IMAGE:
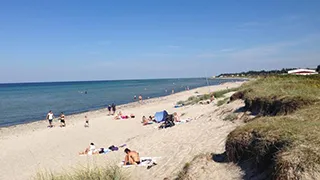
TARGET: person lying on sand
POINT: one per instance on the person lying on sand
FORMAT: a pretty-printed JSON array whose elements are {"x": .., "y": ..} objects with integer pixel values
[
  {"x": 121, "y": 116},
  {"x": 90, "y": 150},
  {"x": 177, "y": 118},
  {"x": 132, "y": 157}
]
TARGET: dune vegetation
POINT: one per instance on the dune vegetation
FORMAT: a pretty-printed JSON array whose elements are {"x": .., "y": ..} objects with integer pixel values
[
  {"x": 87, "y": 173},
  {"x": 284, "y": 140}
]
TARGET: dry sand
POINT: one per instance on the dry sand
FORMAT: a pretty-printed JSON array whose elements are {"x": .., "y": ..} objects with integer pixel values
[{"x": 28, "y": 148}]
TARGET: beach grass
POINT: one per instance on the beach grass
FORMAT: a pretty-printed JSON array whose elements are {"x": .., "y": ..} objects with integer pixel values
[
  {"x": 217, "y": 94},
  {"x": 222, "y": 101},
  {"x": 285, "y": 139},
  {"x": 86, "y": 173}
]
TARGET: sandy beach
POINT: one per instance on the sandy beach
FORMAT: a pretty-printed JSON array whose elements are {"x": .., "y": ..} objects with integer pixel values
[{"x": 29, "y": 148}]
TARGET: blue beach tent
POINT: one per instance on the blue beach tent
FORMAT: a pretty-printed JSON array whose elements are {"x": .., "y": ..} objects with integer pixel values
[{"x": 160, "y": 116}]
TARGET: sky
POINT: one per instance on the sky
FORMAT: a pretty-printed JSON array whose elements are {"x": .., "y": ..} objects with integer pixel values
[{"x": 72, "y": 40}]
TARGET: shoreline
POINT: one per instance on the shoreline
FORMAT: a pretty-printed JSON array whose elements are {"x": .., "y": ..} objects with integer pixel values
[{"x": 98, "y": 109}]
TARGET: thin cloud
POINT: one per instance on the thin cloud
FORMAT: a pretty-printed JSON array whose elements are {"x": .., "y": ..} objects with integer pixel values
[
  {"x": 173, "y": 46},
  {"x": 227, "y": 50}
]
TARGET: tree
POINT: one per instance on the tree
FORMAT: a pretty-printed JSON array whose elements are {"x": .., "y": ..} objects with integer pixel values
[{"x": 318, "y": 69}]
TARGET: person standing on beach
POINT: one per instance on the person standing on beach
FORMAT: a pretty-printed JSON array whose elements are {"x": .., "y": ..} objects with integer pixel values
[
  {"x": 172, "y": 92},
  {"x": 50, "y": 118},
  {"x": 113, "y": 106},
  {"x": 109, "y": 109},
  {"x": 62, "y": 121},
  {"x": 86, "y": 124},
  {"x": 140, "y": 98}
]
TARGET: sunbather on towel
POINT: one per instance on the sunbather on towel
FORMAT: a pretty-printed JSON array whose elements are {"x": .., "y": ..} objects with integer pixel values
[
  {"x": 146, "y": 121},
  {"x": 121, "y": 116},
  {"x": 132, "y": 157},
  {"x": 177, "y": 118},
  {"x": 90, "y": 150}
]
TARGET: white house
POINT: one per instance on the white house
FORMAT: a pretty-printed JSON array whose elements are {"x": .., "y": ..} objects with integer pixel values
[{"x": 302, "y": 72}]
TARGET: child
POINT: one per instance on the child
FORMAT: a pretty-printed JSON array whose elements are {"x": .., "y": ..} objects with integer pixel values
[{"x": 87, "y": 121}]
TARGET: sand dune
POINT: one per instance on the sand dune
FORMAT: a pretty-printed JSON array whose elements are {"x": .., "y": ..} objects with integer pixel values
[{"x": 26, "y": 149}]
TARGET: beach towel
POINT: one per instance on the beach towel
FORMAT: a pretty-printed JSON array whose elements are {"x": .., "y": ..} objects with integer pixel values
[
  {"x": 182, "y": 121},
  {"x": 145, "y": 161}
]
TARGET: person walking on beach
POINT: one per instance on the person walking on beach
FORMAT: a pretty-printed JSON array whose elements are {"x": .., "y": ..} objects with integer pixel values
[
  {"x": 109, "y": 109},
  {"x": 86, "y": 124},
  {"x": 50, "y": 118},
  {"x": 113, "y": 106},
  {"x": 62, "y": 121}
]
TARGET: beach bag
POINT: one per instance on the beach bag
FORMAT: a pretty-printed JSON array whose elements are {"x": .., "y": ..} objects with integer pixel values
[{"x": 113, "y": 148}]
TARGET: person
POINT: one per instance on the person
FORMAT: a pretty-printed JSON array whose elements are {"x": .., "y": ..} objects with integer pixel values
[
  {"x": 146, "y": 121},
  {"x": 134, "y": 97},
  {"x": 62, "y": 120},
  {"x": 140, "y": 98},
  {"x": 176, "y": 117},
  {"x": 131, "y": 158},
  {"x": 50, "y": 117},
  {"x": 86, "y": 124},
  {"x": 212, "y": 98},
  {"x": 121, "y": 116},
  {"x": 113, "y": 106},
  {"x": 90, "y": 150},
  {"x": 172, "y": 92},
  {"x": 109, "y": 109}
]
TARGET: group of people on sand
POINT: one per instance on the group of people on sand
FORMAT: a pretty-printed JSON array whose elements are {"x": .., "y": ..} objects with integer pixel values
[
  {"x": 131, "y": 157},
  {"x": 50, "y": 117},
  {"x": 112, "y": 109},
  {"x": 175, "y": 118}
]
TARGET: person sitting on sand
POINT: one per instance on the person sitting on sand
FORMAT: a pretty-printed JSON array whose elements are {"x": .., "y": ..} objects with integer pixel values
[
  {"x": 212, "y": 98},
  {"x": 62, "y": 121},
  {"x": 132, "y": 157},
  {"x": 177, "y": 118},
  {"x": 90, "y": 150},
  {"x": 86, "y": 123},
  {"x": 146, "y": 121}
]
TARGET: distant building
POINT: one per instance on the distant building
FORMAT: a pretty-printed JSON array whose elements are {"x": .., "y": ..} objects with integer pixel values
[{"x": 302, "y": 72}]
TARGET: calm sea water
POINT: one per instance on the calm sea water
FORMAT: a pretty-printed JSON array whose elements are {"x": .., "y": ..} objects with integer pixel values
[{"x": 27, "y": 102}]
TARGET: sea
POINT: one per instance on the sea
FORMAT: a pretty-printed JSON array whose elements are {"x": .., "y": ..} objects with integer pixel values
[{"x": 27, "y": 102}]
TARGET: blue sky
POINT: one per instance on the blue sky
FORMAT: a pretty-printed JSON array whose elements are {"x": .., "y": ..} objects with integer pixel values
[{"x": 65, "y": 40}]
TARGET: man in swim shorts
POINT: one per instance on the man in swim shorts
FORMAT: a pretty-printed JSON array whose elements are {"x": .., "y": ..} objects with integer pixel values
[
  {"x": 113, "y": 106},
  {"x": 62, "y": 121},
  {"x": 50, "y": 118},
  {"x": 132, "y": 157}
]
